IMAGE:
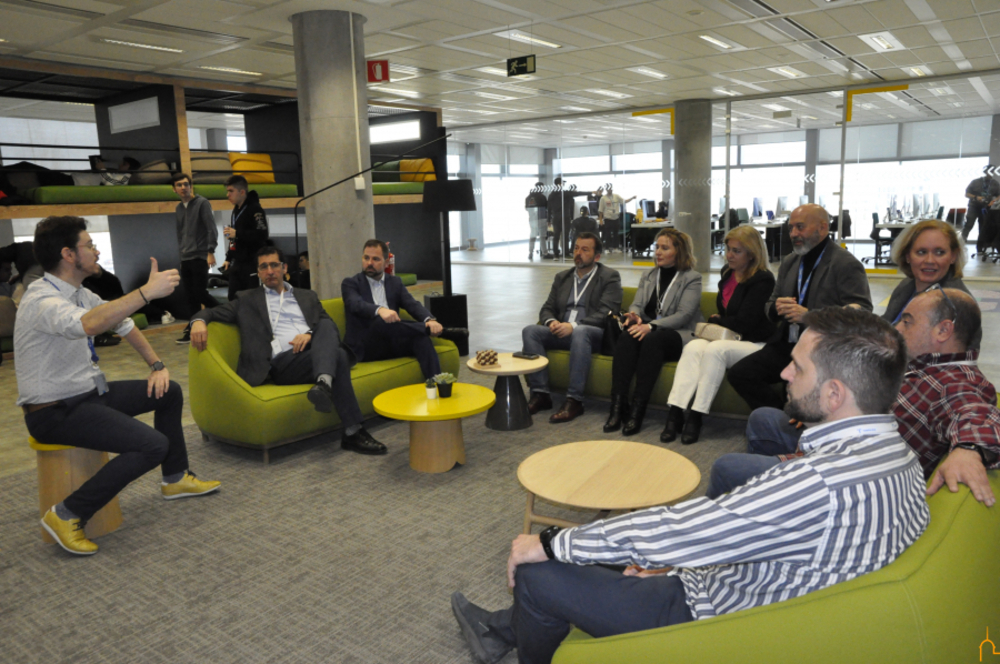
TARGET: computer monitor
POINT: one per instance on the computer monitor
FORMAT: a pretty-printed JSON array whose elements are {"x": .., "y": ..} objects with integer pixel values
[
  {"x": 758, "y": 208},
  {"x": 918, "y": 205},
  {"x": 782, "y": 206},
  {"x": 648, "y": 208},
  {"x": 722, "y": 206},
  {"x": 926, "y": 209},
  {"x": 593, "y": 205},
  {"x": 935, "y": 203},
  {"x": 803, "y": 200}
]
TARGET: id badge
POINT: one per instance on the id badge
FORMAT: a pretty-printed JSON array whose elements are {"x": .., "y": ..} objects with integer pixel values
[
  {"x": 276, "y": 347},
  {"x": 101, "y": 382},
  {"x": 572, "y": 316},
  {"x": 793, "y": 332}
]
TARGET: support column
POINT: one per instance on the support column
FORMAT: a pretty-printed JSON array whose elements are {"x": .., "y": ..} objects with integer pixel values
[
  {"x": 472, "y": 221},
  {"x": 667, "y": 174},
  {"x": 812, "y": 156},
  {"x": 693, "y": 193},
  {"x": 994, "y": 141},
  {"x": 333, "y": 120},
  {"x": 217, "y": 139}
]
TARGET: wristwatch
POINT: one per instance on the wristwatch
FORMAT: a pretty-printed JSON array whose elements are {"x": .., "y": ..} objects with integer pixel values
[
  {"x": 545, "y": 537},
  {"x": 989, "y": 457},
  {"x": 157, "y": 366}
]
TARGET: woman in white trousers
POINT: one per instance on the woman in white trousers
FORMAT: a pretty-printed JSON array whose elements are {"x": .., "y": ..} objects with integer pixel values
[{"x": 745, "y": 285}]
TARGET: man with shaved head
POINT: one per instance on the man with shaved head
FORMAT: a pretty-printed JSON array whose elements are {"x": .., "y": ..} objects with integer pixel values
[
  {"x": 945, "y": 410},
  {"x": 817, "y": 274}
]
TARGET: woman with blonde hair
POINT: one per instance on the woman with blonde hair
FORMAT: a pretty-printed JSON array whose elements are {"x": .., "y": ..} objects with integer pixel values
[
  {"x": 929, "y": 253},
  {"x": 744, "y": 288},
  {"x": 660, "y": 322}
]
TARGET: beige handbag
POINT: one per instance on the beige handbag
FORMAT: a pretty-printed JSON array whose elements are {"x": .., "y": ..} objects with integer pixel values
[{"x": 713, "y": 332}]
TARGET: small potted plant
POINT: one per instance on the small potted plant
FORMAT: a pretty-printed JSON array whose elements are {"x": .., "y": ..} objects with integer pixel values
[
  {"x": 445, "y": 381},
  {"x": 431, "y": 389}
]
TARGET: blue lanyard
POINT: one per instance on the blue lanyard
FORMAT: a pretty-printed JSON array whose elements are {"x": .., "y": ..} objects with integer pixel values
[
  {"x": 233, "y": 217},
  {"x": 803, "y": 291},
  {"x": 90, "y": 340}
]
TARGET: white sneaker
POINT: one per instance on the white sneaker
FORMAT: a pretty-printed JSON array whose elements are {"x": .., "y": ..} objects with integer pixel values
[{"x": 167, "y": 319}]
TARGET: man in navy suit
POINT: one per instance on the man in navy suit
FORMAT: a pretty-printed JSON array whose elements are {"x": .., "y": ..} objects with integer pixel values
[{"x": 372, "y": 300}]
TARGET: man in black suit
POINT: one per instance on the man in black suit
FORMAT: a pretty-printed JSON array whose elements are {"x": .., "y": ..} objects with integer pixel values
[
  {"x": 286, "y": 334},
  {"x": 375, "y": 331}
]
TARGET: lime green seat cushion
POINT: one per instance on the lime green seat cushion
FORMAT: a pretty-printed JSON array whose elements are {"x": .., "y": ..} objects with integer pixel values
[
  {"x": 140, "y": 321},
  {"x": 727, "y": 401},
  {"x": 933, "y": 604},
  {"x": 217, "y": 192},
  {"x": 397, "y": 188},
  {"x": 144, "y": 193},
  {"x": 226, "y": 407},
  {"x": 408, "y": 278}
]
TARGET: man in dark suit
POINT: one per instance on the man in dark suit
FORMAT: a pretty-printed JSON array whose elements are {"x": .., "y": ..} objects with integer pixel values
[
  {"x": 572, "y": 319},
  {"x": 817, "y": 274},
  {"x": 286, "y": 334},
  {"x": 372, "y": 300}
]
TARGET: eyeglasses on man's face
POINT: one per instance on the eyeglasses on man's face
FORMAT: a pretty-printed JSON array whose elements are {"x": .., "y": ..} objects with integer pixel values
[
  {"x": 90, "y": 245},
  {"x": 263, "y": 267}
]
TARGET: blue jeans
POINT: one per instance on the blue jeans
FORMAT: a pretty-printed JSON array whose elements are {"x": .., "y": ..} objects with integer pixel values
[
  {"x": 768, "y": 434},
  {"x": 549, "y": 597},
  {"x": 585, "y": 340}
]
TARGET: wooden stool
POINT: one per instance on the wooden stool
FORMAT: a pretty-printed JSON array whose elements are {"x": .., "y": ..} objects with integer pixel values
[{"x": 61, "y": 471}]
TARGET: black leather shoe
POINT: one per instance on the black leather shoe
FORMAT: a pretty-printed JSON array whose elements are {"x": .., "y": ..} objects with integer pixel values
[
  {"x": 454, "y": 333},
  {"x": 634, "y": 422},
  {"x": 321, "y": 397},
  {"x": 619, "y": 406},
  {"x": 363, "y": 443},
  {"x": 486, "y": 645},
  {"x": 675, "y": 421},
  {"x": 692, "y": 428},
  {"x": 539, "y": 401}
]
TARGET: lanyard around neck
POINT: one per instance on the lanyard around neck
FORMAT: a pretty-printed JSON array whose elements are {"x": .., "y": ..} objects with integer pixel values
[
  {"x": 803, "y": 291},
  {"x": 576, "y": 283},
  {"x": 659, "y": 299},
  {"x": 281, "y": 304}
]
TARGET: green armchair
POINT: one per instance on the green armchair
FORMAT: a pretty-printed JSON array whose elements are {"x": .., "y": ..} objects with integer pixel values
[
  {"x": 227, "y": 409},
  {"x": 933, "y": 604},
  {"x": 727, "y": 401}
]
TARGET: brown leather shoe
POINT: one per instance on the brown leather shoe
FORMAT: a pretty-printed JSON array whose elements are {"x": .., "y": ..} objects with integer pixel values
[
  {"x": 539, "y": 401},
  {"x": 569, "y": 411}
]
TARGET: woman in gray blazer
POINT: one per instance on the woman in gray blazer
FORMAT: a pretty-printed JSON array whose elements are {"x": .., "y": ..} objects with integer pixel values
[{"x": 661, "y": 320}]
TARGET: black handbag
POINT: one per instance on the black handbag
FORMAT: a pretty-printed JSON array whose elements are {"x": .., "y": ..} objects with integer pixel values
[{"x": 612, "y": 330}]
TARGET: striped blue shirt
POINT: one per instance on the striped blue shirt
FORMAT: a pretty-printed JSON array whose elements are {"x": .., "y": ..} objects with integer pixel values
[{"x": 849, "y": 506}]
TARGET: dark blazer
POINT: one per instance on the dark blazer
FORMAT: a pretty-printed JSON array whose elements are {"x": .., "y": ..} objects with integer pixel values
[
  {"x": 249, "y": 312},
  {"x": 360, "y": 307},
  {"x": 745, "y": 313},
  {"x": 603, "y": 295},
  {"x": 838, "y": 280},
  {"x": 903, "y": 293}
]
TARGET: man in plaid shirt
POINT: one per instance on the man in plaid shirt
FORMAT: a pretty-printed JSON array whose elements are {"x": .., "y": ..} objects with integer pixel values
[{"x": 945, "y": 408}]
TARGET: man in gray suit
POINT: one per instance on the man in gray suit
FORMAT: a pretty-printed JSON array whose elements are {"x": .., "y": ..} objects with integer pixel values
[
  {"x": 286, "y": 334},
  {"x": 572, "y": 319},
  {"x": 817, "y": 274}
]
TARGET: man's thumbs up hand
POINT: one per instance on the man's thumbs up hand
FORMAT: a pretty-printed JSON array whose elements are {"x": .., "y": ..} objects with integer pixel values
[{"x": 160, "y": 284}]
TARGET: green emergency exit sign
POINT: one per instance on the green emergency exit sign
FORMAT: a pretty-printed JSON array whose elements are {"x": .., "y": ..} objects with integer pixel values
[{"x": 520, "y": 66}]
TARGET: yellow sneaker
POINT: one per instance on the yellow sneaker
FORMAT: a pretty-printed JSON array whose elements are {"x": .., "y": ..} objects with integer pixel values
[
  {"x": 68, "y": 534},
  {"x": 187, "y": 487}
]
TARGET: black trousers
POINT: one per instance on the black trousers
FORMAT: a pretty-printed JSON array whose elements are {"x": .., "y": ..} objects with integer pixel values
[
  {"x": 323, "y": 355},
  {"x": 644, "y": 360},
  {"x": 609, "y": 233},
  {"x": 753, "y": 376},
  {"x": 974, "y": 211},
  {"x": 407, "y": 338},
  {"x": 241, "y": 277},
  {"x": 107, "y": 423},
  {"x": 194, "y": 275}
]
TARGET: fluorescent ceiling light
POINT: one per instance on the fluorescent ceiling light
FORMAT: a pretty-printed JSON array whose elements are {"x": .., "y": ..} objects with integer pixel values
[
  {"x": 775, "y": 107},
  {"x": 809, "y": 117},
  {"x": 566, "y": 121},
  {"x": 496, "y": 71},
  {"x": 73, "y": 103},
  {"x": 516, "y": 88},
  {"x": 957, "y": 104},
  {"x": 918, "y": 71},
  {"x": 490, "y": 95},
  {"x": 524, "y": 37},
  {"x": 723, "y": 91},
  {"x": 646, "y": 71},
  {"x": 716, "y": 42},
  {"x": 868, "y": 107},
  {"x": 230, "y": 70},
  {"x": 609, "y": 93},
  {"x": 941, "y": 92},
  {"x": 642, "y": 119},
  {"x": 836, "y": 93},
  {"x": 790, "y": 72},
  {"x": 397, "y": 91},
  {"x": 579, "y": 109},
  {"x": 476, "y": 111},
  {"x": 148, "y": 47},
  {"x": 882, "y": 41}
]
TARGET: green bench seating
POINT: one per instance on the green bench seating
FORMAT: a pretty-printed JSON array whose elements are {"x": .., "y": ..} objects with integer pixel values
[
  {"x": 227, "y": 409},
  {"x": 933, "y": 604},
  {"x": 151, "y": 193},
  {"x": 727, "y": 401}
]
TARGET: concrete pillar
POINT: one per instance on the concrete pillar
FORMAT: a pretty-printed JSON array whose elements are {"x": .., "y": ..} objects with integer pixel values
[
  {"x": 667, "y": 174},
  {"x": 472, "y": 220},
  {"x": 333, "y": 120},
  {"x": 217, "y": 139},
  {"x": 693, "y": 193},
  {"x": 994, "y": 141},
  {"x": 812, "y": 156}
]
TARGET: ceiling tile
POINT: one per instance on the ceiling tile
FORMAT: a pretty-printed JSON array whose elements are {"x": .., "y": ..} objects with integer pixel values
[{"x": 891, "y": 14}]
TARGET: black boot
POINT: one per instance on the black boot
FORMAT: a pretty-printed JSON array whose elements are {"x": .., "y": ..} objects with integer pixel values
[
  {"x": 675, "y": 420},
  {"x": 634, "y": 421},
  {"x": 619, "y": 406},
  {"x": 692, "y": 428}
]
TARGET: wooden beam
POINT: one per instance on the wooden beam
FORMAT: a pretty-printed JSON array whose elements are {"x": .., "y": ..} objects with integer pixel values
[{"x": 182, "y": 130}]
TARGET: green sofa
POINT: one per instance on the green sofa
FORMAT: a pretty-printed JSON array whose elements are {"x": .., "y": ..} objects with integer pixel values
[
  {"x": 144, "y": 193},
  {"x": 933, "y": 604},
  {"x": 727, "y": 401},
  {"x": 228, "y": 410}
]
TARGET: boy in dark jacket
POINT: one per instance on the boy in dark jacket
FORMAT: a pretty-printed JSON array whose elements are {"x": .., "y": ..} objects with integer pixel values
[{"x": 247, "y": 233}]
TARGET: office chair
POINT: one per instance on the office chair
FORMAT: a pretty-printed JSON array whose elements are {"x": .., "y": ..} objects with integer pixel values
[
  {"x": 883, "y": 244},
  {"x": 743, "y": 215},
  {"x": 940, "y": 213}
]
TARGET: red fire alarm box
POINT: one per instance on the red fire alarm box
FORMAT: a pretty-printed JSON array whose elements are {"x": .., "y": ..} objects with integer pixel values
[{"x": 378, "y": 71}]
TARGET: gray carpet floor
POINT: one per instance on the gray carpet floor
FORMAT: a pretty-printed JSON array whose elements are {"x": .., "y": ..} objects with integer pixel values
[{"x": 321, "y": 556}]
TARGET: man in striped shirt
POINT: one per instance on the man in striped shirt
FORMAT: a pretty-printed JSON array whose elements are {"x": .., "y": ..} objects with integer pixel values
[{"x": 849, "y": 506}]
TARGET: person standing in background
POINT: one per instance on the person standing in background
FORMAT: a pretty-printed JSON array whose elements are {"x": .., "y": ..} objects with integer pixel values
[
  {"x": 197, "y": 238},
  {"x": 609, "y": 216},
  {"x": 538, "y": 221},
  {"x": 247, "y": 233}
]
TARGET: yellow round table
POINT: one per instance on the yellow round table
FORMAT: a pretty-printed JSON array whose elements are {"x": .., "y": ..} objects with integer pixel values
[
  {"x": 605, "y": 475},
  {"x": 436, "y": 442}
]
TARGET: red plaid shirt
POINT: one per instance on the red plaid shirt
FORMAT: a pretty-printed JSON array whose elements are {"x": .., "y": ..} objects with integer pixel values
[{"x": 944, "y": 402}]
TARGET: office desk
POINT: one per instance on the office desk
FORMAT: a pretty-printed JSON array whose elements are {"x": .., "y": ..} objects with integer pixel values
[
  {"x": 772, "y": 238},
  {"x": 642, "y": 235}
]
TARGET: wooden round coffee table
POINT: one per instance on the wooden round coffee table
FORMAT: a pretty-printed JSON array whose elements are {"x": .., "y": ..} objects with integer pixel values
[
  {"x": 436, "y": 442},
  {"x": 510, "y": 412},
  {"x": 605, "y": 475}
]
